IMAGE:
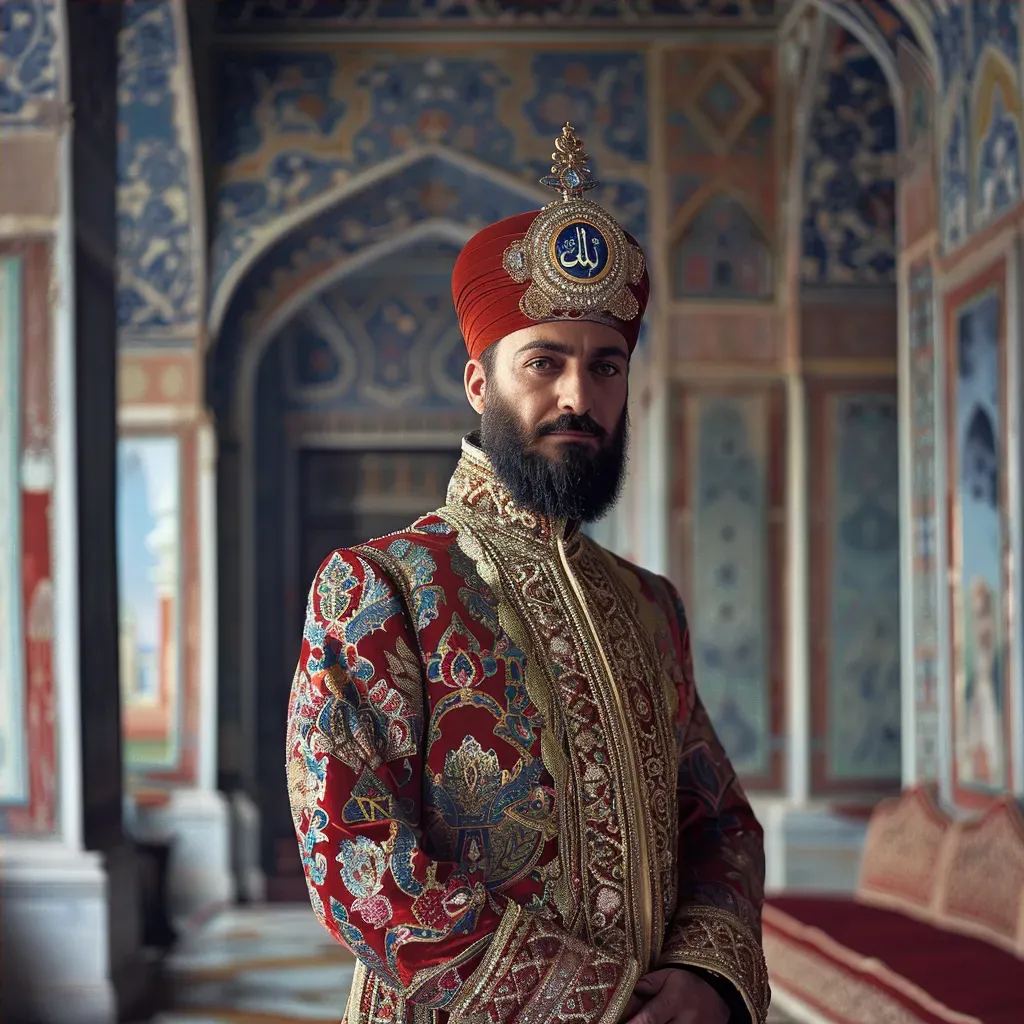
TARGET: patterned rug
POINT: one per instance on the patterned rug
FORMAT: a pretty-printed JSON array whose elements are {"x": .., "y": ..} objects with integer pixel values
[{"x": 263, "y": 965}]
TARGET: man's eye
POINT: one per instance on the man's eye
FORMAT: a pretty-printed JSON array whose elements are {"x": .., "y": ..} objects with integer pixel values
[
  {"x": 539, "y": 364},
  {"x": 607, "y": 369}
]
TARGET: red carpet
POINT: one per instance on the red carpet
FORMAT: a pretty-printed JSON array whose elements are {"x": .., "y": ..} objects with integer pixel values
[{"x": 963, "y": 975}]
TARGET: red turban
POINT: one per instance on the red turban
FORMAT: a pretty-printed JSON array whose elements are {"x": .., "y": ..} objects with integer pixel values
[{"x": 487, "y": 297}]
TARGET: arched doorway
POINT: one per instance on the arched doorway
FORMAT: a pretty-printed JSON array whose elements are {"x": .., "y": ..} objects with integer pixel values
[{"x": 342, "y": 419}]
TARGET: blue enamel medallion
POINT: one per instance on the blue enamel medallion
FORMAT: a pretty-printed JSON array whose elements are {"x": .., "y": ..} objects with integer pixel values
[{"x": 581, "y": 252}]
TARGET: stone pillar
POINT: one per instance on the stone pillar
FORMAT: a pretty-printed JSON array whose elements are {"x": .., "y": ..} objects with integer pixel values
[
  {"x": 52, "y": 890},
  {"x": 168, "y": 508},
  {"x": 170, "y": 722}
]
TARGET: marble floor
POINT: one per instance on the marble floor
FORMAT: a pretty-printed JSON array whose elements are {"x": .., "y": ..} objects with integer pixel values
[{"x": 260, "y": 965}]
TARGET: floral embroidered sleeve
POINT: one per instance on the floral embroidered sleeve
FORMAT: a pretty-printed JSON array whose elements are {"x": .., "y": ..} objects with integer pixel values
[
  {"x": 426, "y": 928},
  {"x": 717, "y": 926}
]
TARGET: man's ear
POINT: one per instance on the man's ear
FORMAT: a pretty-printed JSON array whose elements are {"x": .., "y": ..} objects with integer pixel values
[{"x": 476, "y": 385}]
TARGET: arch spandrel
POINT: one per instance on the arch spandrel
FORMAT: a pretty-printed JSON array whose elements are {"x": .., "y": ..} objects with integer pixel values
[{"x": 436, "y": 195}]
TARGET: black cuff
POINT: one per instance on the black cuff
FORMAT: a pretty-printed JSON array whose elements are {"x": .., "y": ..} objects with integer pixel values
[{"x": 730, "y": 995}]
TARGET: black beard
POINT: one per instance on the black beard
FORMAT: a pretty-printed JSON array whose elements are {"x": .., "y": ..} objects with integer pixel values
[{"x": 580, "y": 485}]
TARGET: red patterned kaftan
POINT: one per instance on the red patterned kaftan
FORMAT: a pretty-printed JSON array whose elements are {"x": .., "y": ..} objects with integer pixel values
[{"x": 509, "y": 800}]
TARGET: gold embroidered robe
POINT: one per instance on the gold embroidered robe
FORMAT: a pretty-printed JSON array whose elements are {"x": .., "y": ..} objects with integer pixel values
[{"x": 509, "y": 800}]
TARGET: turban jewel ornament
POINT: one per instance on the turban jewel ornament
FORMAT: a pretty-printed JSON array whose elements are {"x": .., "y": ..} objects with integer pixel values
[
  {"x": 568, "y": 261},
  {"x": 576, "y": 258}
]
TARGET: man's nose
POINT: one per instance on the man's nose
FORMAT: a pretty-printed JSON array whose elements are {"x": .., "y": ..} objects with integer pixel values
[{"x": 574, "y": 392}]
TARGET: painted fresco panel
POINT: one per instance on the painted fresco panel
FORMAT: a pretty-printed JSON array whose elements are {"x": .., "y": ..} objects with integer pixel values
[
  {"x": 30, "y": 83},
  {"x": 917, "y": 155},
  {"x": 149, "y": 556},
  {"x": 995, "y": 24},
  {"x": 13, "y": 725},
  {"x": 977, "y": 461},
  {"x": 949, "y": 25},
  {"x": 371, "y": 343},
  {"x": 864, "y": 639},
  {"x": 385, "y": 211},
  {"x": 850, "y": 172},
  {"x": 923, "y": 411},
  {"x": 28, "y": 802},
  {"x": 854, "y": 585},
  {"x": 722, "y": 255},
  {"x": 158, "y": 221},
  {"x": 955, "y": 191},
  {"x": 728, "y": 614},
  {"x": 719, "y": 136},
  {"x": 996, "y": 140},
  {"x": 297, "y": 124}
]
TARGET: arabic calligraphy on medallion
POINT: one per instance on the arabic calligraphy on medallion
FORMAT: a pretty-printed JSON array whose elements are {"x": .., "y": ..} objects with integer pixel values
[{"x": 581, "y": 252}]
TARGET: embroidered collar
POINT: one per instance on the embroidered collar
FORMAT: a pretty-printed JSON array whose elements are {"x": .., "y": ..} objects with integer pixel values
[{"x": 475, "y": 488}]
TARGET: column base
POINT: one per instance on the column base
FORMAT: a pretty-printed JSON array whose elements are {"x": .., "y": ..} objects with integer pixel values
[
  {"x": 54, "y": 934},
  {"x": 245, "y": 848},
  {"x": 810, "y": 849},
  {"x": 196, "y": 822}
]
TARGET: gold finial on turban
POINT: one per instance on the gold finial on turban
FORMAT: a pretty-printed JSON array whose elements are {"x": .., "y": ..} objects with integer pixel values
[{"x": 570, "y": 174}]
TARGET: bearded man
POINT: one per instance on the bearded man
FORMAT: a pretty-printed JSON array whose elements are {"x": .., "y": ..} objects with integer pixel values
[{"x": 510, "y": 803}]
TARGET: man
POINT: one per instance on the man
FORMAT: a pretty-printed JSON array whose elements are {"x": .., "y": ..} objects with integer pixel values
[{"x": 510, "y": 803}]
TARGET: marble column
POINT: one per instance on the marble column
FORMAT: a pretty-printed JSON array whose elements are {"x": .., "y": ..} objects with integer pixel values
[{"x": 53, "y": 891}]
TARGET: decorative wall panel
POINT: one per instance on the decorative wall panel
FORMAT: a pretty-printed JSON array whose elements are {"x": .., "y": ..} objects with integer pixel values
[
  {"x": 752, "y": 336},
  {"x": 13, "y": 755},
  {"x": 949, "y": 27},
  {"x": 720, "y": 160},
  {"x": 373, "y": 344},
  {"x": 298, "y": 125},
  {"x": 918, "y": 177},
  {"x": 722, "y": 254},
  {"x": 30, "y": 85},
  {"x": 158, "y": 594},
  {"x": 150, "y": 595},
  {"x": 855, "y": 597},
  {"x": 159, "y": 213},
  {"x": 158, "y": 376},
  {"x": 995, "y": 25},
  {"x": 427, "y": 191},
  {"x": 884, "y": 19},
  {"x": 923, "y": 483},
  {"x": 28, "y": 795},
  {"x": 850, "y": 332},
  {"x": 850, "y": 176},
  {"x": 979, "y": 546},
  {"x": 727, "y": 559},
  {"x": 996, "y": 136},
  {"x": 981, "y": 114},
  {"x": 955, "y": 162},
  {"x": 476, "y": 13}
]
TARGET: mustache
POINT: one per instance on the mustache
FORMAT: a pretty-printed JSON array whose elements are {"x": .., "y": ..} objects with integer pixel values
[{"x": 568, "y": 422}]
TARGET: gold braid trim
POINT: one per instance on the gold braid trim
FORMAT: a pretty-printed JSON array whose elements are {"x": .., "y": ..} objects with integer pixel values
[
  {"x": 536, "y": 973},
  {"x": 501, "y": 947},
  {"x": 718, "y": 941}
]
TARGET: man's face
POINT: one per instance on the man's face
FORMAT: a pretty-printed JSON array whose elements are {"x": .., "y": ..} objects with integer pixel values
[{"x": 553, "y": 416}]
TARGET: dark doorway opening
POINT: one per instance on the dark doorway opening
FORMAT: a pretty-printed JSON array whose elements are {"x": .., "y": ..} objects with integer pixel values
[{"x": 346, "y": 497}]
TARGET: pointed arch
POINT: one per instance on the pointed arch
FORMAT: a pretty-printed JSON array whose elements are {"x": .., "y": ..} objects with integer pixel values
[
  {"x": 721, "y": 250},
  {"x": 995, "y": 75},
  {"x": 867, "y": 32},
  {"x": 427, "y": 192},
  {"x": 995, "y": 149},
  {"x": 238, "y": 256},
  {"x": 848, "y": 163}
]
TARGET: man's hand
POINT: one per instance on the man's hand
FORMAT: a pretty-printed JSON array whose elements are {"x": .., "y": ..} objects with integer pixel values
[{"x": 675, "y": 996}]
